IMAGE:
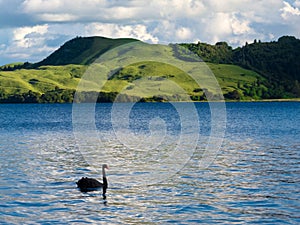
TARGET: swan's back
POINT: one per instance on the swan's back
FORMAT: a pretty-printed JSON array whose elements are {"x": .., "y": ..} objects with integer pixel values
[{"x": 87, "y": 183}]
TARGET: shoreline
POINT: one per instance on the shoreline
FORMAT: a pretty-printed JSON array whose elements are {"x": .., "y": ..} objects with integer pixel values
[
  {"x": 225, "y": 101},
  {"x": 267, "y": 100}
]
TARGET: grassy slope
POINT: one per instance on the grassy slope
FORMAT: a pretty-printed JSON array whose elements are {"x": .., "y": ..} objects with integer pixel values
[
  {"x": 155, "y": 79},
  {"x": 228, "y": 76},
  {"x": 40, "y": 80},
  {"x": 162, "y": 79}
]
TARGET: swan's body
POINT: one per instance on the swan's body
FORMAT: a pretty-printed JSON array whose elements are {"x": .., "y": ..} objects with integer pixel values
[
  {"x": 90, "y": 184},
  {"x": 86, "y": 182}
]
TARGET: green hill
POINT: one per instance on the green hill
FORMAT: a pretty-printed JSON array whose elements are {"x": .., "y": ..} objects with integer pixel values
[{"x": 55, "y": 78}]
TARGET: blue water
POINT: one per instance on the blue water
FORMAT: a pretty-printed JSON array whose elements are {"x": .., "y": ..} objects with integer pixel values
[{"x": 254, "y": 178}]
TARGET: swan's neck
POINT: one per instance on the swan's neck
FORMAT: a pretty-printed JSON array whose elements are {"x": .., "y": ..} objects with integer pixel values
[{"x": 103, "y": 172}]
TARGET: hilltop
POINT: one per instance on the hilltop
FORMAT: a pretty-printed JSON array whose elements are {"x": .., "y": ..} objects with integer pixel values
[
  {"x": 82, "y": 51},
  {"x": 255, "y": 71}
]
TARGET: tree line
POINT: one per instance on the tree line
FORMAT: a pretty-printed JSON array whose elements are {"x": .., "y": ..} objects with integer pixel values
[{"x": 69, "y": 96}]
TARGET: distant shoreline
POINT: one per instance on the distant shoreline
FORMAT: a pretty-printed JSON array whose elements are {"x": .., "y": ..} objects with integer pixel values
[
  {"x": 225, "y": 101},
  {"x": 267, "y": 100}
]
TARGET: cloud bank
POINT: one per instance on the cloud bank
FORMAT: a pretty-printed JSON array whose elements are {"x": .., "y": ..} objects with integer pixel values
[{"x": 31, "y": 29}]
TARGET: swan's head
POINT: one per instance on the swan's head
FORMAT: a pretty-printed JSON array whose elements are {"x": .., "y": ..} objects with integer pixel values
[{"x": 105, "y": 166}]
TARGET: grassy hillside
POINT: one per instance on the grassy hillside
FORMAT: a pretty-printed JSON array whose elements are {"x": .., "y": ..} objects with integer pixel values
[
  {"x": 143, "y": 79},
  {"x": 40, "y": 80}
]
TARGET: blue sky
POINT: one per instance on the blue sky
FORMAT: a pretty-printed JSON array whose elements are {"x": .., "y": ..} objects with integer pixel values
[{"x": 31, "y": 29}]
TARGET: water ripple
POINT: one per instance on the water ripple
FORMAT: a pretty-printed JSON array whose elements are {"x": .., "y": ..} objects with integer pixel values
[{"x": 253, "y": 179}]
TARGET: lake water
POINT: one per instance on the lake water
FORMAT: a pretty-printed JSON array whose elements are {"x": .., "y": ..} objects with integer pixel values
[{"x": 253, "y": 178}]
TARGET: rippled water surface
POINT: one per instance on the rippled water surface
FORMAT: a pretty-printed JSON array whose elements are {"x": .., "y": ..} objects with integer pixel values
[{"x": 254, "y": 178}]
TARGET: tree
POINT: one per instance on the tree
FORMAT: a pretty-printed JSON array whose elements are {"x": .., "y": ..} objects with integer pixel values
[
  {"x": 296, "y": 89},
  {"x": 234, "y": 95}
]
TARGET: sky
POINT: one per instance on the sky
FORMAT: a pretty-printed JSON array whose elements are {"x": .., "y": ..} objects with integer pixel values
[{"x": 32, "y": 29}]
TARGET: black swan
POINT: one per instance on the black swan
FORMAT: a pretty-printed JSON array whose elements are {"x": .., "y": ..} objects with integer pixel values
[{"x": 90, "y": 184}]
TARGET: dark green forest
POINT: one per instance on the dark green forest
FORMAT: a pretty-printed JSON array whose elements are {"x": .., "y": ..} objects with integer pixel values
[{"x": 277, "y": 61}]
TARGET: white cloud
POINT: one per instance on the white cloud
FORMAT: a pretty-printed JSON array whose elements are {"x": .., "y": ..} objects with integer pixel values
[
  {"x": 26, "y": 37},
  {"x": 140, "y": 31},
  {"x": 113, "y": 10},
  {"x": 240, "y": 26},
  {"x": 59, "y": 6},
  {"x": 58, "y": 17},
  {"x": 178, "y": 9},
  {"x": 27, "y": 43},
  {"x": 183, "y": 33},
  {"x": 114, "y": 30},
  {"x": 288, "y": 11},
  {"x": 263, "y": 11},
  {"x": 36, "y": 6},
  {"x": 88, "y": 10},
  {"x": 217, "y": 26},
  {"x": 35, "y": 25}
]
